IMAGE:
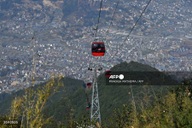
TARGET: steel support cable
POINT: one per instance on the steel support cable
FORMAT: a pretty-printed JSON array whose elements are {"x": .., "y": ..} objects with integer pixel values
[
  {"x": 98, "y": 20},
  {"x": 137, "y": 20},
  {"x": 97, "y": 25},
  {"x": 133, "y": 27},
  {"x": 125, "y": 41},
  {"x": 111, "y": 23},
  {"x": 132, "y": 94},
  {"x": 113, "y": 15},
  {"x": 96, "y": 30},
  {"x": 133, "y": 100}
]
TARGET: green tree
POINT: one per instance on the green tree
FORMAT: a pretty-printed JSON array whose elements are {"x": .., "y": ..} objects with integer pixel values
[{"x": 29, "y": 108}]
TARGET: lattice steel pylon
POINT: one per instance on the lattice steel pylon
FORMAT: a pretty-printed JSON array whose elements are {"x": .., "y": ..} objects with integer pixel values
[{"x": 95, "y": 108}]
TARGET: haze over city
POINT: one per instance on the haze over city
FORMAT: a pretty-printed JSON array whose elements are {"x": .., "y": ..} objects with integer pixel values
[{"x": 54, "y": 37}]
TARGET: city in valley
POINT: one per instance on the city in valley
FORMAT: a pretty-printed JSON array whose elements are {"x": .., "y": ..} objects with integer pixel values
[{"x": 39, "y": 39}]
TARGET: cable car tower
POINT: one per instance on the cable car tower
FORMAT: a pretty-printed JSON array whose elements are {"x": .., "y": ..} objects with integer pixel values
[
  {"x": 95, "y": 108},
  {"x": 98, "y": 50}
]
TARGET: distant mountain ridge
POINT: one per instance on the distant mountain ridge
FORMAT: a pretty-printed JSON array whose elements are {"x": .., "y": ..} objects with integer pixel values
[{"x": 132, "y": 66}]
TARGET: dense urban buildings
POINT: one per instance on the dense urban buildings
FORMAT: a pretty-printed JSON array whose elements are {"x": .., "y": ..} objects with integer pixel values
[{"x": 38, "y": 40}]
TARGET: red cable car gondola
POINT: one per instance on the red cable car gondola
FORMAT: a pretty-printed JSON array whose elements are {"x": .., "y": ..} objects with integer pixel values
[
  {"x": 108, "y": 73},
  {"x": 89, "y": 85},
  {"x": 88, "y": 106},
  {"x": 98, "y": 49}
]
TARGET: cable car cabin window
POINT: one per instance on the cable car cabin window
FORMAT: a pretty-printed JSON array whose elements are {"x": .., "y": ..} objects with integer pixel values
[{"x": 98, "y": 49}]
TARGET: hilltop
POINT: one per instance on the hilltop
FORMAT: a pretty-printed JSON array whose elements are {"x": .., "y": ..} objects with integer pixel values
[{"x": 71, "y": 96}]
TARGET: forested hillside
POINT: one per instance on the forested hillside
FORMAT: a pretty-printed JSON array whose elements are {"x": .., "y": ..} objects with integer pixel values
[{"x": 61, "y": 102}]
